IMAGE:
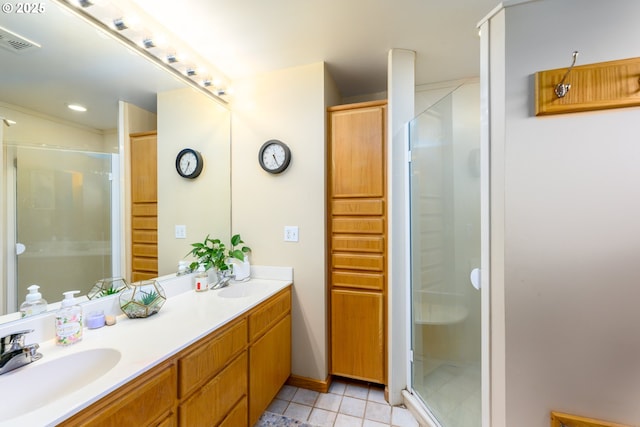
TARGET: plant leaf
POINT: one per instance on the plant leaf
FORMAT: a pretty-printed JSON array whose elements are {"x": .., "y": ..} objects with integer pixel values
[{"x": 237, "y": 254}]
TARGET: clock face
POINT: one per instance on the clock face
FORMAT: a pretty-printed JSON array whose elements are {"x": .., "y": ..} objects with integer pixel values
[
  {"x": 274, "y": 156},
  {"x": 189, "y": 163}
]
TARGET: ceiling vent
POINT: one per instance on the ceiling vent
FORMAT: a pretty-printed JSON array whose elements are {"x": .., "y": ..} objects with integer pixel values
[{"x": 15, "y": 43}]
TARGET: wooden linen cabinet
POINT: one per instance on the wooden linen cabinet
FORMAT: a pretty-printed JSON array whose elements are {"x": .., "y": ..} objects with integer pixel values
[
  {"x": 357, "y": 189},
  {"x": 144, "y": 206}
]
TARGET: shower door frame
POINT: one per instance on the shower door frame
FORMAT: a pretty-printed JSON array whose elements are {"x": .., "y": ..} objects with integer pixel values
[{"x": 485, "y": 259}]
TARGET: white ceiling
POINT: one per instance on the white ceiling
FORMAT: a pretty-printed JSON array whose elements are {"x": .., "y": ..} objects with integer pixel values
[
  {"x": 242, "y": 38},
  {"x": 246, "y": 37}
]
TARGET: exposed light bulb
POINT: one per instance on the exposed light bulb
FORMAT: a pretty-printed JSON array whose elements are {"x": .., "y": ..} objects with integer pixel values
[
  {"x": 148, "y": 43},
  {"x": 77, "y": 107},
  {"x": 119, "y": 24}
]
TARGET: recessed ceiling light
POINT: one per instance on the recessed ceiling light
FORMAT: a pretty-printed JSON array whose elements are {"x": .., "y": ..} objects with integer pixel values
[{"x": 77, "y": 107}]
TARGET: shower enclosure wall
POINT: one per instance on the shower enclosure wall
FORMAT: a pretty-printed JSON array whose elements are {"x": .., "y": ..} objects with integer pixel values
[
  {"x": 445, "y": 250},
  {"x": 60, "y": 208}
]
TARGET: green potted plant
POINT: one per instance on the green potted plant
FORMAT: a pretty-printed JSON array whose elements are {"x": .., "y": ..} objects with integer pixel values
[{"x": 212, "y": 253}]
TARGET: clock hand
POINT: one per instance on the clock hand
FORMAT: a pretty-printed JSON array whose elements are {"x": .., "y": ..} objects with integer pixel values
[{"x": 274, "y": 158}]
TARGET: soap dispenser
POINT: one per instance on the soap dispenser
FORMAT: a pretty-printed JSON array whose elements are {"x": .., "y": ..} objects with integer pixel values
[
  {"x": 69, "y": 320},
  {"x": 34, "y": 303}
]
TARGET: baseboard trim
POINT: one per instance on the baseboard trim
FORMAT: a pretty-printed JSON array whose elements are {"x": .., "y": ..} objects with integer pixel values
[{"x": 310, "y": 383}]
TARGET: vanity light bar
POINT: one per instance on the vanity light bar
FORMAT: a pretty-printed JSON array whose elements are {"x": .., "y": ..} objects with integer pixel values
[{"x": 102, "y": 17}]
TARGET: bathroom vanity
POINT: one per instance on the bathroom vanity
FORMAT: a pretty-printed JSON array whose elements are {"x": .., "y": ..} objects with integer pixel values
[{"x": 213, "y": 358}]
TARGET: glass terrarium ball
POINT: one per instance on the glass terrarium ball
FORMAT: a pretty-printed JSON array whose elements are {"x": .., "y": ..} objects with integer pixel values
[{"x": 142, "y": 299}]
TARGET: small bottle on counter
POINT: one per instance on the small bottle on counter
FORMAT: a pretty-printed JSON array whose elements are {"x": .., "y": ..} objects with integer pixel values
[
  {"x": 201, "y": 279},
  {"x": 34, "y": 303},
  {"x": 183, "y": 268},
  {"x": 69, "y": 320}
]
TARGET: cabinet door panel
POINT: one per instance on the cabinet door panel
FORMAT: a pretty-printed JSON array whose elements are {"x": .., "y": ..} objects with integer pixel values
[
  {"x": 357, "y": 335},
  {"x": 270, "y": 366},
  {"x": 358, "y": 152}
]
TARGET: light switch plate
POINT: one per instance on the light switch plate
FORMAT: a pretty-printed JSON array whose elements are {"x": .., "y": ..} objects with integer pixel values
[
  {"x": 290, "y": 233},
  {"x": 181, "y": 231}
]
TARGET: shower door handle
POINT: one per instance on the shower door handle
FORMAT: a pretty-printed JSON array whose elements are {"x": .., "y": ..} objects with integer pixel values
[
  {"x": 20, "y": 248},
  {"x": 474, "y": 277}
]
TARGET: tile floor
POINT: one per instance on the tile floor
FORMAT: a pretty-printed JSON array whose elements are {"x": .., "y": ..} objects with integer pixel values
[{"x": 346, "y": 404}]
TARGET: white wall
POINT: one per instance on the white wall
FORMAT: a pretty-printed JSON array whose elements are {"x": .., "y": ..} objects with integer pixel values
[
  {"x": 571, "y": 222},
  {"x": 289, "y": 105},
  {"x": 189, "y": 119}
]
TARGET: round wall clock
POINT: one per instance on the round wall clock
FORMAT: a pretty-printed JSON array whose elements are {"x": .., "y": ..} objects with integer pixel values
[
  {"x": 274, "y": 156},
  {"x": 189, "y": 163}
]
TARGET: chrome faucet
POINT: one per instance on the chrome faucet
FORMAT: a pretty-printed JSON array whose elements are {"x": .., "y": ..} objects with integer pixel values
[
  {"x": 223, "y": 280},
  {"x": 13, "y": 352}
]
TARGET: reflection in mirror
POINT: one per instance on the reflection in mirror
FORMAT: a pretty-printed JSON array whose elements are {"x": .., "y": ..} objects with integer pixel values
[{"x": 64, "y": 180}]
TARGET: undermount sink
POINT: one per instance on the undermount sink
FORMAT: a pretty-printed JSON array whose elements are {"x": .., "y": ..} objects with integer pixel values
[
  {"x": 238, "y": 290},
  {"x": 42, "y": 382}
]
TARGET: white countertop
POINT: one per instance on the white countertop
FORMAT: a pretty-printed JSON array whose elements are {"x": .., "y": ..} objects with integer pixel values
[{"x": 143, "y": 343}]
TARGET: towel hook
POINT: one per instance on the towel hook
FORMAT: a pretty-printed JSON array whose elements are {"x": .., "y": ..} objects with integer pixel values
[{"x": 562, "y": 88}]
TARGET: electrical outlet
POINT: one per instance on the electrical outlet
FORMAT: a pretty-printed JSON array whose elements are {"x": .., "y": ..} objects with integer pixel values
[
  {"x": 181, "y": 231},
  {"x": 290, "y": 233}
]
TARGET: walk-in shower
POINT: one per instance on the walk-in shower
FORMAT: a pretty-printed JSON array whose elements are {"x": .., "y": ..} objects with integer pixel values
[{"x": 445, "y": 249}]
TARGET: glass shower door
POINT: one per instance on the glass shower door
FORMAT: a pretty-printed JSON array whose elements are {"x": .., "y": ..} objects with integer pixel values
[
  {"x": 445, "y": 249},
  {"x": 63, "y": 220}
]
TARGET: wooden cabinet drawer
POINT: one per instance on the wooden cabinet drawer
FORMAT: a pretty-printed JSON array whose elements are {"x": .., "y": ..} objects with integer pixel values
[
  {"x": 270, "y": 312},
  {"x": 144, "y": 223},
  {"x": 211, "y": 404},
  {"x": 135, "y": 404},
  {"x": 362, "y": 243},
  {"x": 197, "y": 367},
  {"x": 144, "y": 209},
  {"x": 136, "y": 276},
  {"x": 351, "y": 207},
  {"x": 358, "y": 225},
  {"x": 142, "y": 249},
  {"x": 358, "y": 262},
  {"x": 357, "y": 280},
  {"x": 145, "y": 264},
  {"x": 144, "y": 236},
  {"x": 238, "y": 415}
]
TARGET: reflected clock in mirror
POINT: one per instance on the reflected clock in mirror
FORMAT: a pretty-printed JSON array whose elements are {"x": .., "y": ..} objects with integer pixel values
[
  {"x": 274, "y": 156},
  {"x": 189, "y": 163}
]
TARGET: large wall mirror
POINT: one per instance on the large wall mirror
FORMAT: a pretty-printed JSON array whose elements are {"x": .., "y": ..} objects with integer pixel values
[{"x": 64, "y": 174}]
